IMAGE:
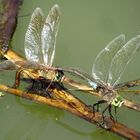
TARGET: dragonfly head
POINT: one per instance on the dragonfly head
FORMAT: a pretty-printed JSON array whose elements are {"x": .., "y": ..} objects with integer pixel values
[
  {"x": 118, "y": 101},
  {"x": 1, "y": 94},
  {"x": 59, "y": 75}
]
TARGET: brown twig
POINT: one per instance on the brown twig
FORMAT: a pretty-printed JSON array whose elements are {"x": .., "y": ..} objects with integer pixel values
[
  {"x": 11, "y": 55},
  {"x": 71, "y": 104},
  {"x": 64, "y": 100},
  {"x": 11, "y": 10},
  {"x": 87, "y": 89}
]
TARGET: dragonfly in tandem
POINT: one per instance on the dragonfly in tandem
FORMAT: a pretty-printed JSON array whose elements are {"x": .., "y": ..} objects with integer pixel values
[
  {"x": 109, "y": 65},
  {"x": 108, "y": 68},
  {"x": 40, "y": 42}
]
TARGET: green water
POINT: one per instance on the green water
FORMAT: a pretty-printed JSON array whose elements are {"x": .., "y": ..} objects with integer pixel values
[{"x": 86, "y": 27}]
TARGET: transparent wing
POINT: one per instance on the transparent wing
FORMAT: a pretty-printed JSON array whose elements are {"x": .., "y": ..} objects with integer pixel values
[
  {"x": 49, "y": 34},
  {"x": 126, "y": 85},
  {"x": 121, "y": 59},
  {"x": 33, "y": 37},
  {"x": 100, "y": 70},
  {"x": 7, "y": 65},
  {"x": 27, "y": 64}
]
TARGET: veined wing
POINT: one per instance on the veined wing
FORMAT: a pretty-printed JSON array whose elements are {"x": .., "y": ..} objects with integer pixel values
[
  {"x": 101, "y": 66},
  {"x": 49, "y": 34},
  {"x": 126, "y": 85},
  {"x": 33, "y": 44},
  {"x": 41, "y": 35},
  {"x": 121, "y": 59},
  {"x": 7, "y": 65}
]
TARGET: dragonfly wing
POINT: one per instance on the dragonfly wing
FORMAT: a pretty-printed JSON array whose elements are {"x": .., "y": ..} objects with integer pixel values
[
  {"x": 122, "y": 58},
  {"x": 49, "y": 34},
  {"x": 33, "y": 37},
  {"x": 127, "y": 85},
  {"x": 27, "y": 64},
  {"x": 100, "y": 70},
  {"x": 7, "y": 65}
]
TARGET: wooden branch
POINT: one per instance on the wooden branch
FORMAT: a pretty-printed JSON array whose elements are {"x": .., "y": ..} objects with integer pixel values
[
  {"x": 66, "y": 101},
  {"x": 11, "y": 10},
  {"x": 63, "y": 100},
  {"x": 13, "y": 56},
  {"x": 87, "y": 89}
]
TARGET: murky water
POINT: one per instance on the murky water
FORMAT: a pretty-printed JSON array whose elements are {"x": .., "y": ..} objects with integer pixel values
[{"x": 86, "y": 27}]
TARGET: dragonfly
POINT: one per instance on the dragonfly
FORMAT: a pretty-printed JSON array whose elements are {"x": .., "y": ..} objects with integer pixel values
[
  {"x": 39, "y": 45},
  {"x": 108, "y": 68}
]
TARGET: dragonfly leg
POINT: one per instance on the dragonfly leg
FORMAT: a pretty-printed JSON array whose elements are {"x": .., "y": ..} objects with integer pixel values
[
  {"x": 44, "y": 89},
  {"x": 46, "y": 84},
  {"x": 104, "y": 112},
  {"x": 30, "y": 88},
  {"x": 97, "y": 104},
  {"x": 115, "y": 113},
  {"x": 115, "y": 110},
  {"x": 110, "y": 110},
  {"x": 39, "y": 87},
  {"x": 109, "y": 107},
  {"x": 49, "y": 94},
  {"x": 17, "y": 78}
]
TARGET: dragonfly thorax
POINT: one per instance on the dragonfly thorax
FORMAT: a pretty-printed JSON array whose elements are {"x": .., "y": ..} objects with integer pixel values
[
  {"x": 111, "y": 96},
  {"x": 48, "y": 74},
  {"x": 53, "y": 75}
]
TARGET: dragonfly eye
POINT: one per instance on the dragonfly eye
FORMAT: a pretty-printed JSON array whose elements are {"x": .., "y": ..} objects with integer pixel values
[
  {"x": 58, "y": 76},
  {"x": 118, "y": 101},
  {"x": 1, "y": 94}
]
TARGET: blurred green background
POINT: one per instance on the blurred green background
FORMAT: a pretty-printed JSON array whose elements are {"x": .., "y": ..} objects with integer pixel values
[{"x": 86, "y": 28}]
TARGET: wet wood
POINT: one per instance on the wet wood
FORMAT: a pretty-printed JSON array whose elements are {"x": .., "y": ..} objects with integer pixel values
[
  {"x": 13, "y": 56},
  {"x": 66, "y": 101}
]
